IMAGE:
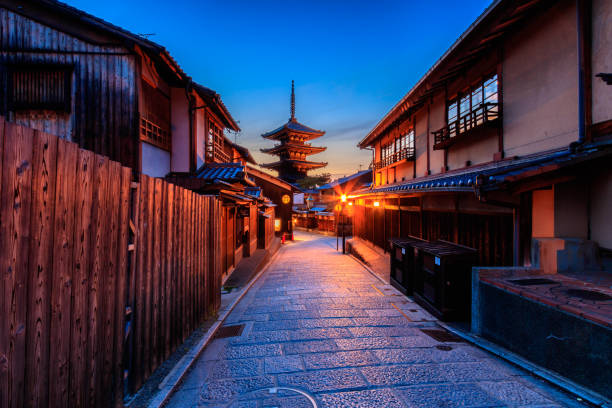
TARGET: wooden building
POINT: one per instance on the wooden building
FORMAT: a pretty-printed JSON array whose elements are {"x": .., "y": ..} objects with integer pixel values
[
  {"x": 293, "y": 149},
  {"x": 118, "y": 94},
  {"x": 499, "y": 146},
  {"x": 280, "y": 193}
]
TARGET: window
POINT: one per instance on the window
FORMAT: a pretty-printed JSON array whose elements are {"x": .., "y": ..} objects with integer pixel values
[
  {"x": 476, "y": 106},
  {"x": 215, "y": 146},
  {"x": 155, "y": 117},
  {"x": 39, "y": 87}
]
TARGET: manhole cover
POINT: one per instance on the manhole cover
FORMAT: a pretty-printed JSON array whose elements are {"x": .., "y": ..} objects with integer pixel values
[
  {"x": 229, "y": 331},
  {"x": 588, "y": 295},
  {"x": 444, "y": 347},
  {"x": 442, "y": 335},
  {"x": 275, "y": 397},
  {"x": 533, "y": 281}
]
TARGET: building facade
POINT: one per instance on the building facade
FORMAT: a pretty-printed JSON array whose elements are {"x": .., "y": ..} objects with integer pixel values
[
  {"x": 489, "y": 149},
  {"x": 76, "y": 76}
]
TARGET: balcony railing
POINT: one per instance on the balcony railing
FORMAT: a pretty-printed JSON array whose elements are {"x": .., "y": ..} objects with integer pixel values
[
  {"x": 481, "y": 115},
  {"x": 406, "y": 153}
]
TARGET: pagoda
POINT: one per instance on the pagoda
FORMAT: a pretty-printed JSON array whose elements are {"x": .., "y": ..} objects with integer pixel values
[{"x": 292, "y": 148}]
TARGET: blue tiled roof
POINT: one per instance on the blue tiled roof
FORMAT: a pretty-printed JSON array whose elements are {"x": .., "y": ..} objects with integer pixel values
[
  {"x": 253, "y": 191},
  {"x": 229, "y": 172},
  {"x": 344, "y": 179}
]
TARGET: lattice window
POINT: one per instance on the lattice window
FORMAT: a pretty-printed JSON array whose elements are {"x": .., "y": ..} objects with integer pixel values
[
  {"x": 155, "y": 117},
  {"x": 39, "y": 87}
]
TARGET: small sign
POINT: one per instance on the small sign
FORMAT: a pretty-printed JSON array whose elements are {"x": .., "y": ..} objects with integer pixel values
[
  {"x": 403, "y": 251},
  {"x": 437, "y": 261},
  {"x": 286, "y": 199}
]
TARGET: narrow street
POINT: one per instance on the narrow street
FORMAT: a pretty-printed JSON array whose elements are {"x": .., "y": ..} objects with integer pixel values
[{"x": 319, "y": 327}]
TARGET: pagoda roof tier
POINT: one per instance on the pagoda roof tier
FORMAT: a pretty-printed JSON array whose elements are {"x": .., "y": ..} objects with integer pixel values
[
  {"x": 295, "y": 127},
  {"x": 294, "y": 163},
  {"x": 298, "y": 147}
]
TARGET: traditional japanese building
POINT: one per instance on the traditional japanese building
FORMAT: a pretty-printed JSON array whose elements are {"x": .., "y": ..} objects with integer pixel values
[{"x": 293, "y": 148}]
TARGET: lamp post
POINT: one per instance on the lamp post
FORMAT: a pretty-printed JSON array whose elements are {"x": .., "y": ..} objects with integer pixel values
[{"x": 343, "y": 199}]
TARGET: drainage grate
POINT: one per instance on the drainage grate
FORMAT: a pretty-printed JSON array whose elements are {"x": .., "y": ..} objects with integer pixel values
[
  {"x": 442, "y": 335},
  {"x": 229, "y": 331},
  {"x": 533, "y": 281},
  {"x": 588, "y": 295}
]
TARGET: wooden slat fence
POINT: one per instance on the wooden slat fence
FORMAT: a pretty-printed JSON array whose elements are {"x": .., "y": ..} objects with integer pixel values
[{"x": 101, "y": 277}]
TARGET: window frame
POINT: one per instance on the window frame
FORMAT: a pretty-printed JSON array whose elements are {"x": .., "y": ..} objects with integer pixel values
[{"x": 41, "y": 67}]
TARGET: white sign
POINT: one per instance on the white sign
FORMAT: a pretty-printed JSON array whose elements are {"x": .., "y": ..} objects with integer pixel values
[{"x": 298, "y": 198}]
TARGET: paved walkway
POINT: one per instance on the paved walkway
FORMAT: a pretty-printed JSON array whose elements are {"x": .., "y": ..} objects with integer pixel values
[{"x": 318, "y": 327}]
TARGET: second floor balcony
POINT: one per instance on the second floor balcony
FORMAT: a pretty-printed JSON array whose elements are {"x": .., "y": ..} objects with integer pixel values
[
  {"x": 407, "y": 153},
  {"x": 485, "y": 114}
]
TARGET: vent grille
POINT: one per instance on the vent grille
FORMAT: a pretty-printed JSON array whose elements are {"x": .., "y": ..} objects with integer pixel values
[
  {"x": 229, "y": 331},
  {"x": 442, "y": 335}
]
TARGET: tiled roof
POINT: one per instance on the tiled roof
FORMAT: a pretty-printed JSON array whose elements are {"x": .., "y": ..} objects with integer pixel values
[
  {"x": 296, "y": 127},
  {"x": 344, "y": 180},
  {"x": 493, "y": 175},
  {"x": 228, "y": 172},
  {"x": 253, "y": 191}
]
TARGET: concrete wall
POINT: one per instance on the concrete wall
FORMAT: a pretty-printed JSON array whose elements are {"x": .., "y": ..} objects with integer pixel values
[
  {"x": 475, "y": 149},
  {"x": 155, "y": 161},
  {"x": 540, "y": 84},
  {"x": 602, "y": 59},
  {"x": 601, "y": 199},
  {"x": 180, "y": 130}
]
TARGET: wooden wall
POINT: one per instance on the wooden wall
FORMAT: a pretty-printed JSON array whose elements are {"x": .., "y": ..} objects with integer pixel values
[
  {"x": 104, "y": 111},
  {"x": 84, "y": 250},
  {"x": 491, "y": 234}
]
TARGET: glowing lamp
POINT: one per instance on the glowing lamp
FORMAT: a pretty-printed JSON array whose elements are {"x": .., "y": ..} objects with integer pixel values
[
  {"x": 338, "y": 207},
  {"x": 277, "y": 224},
  {"x": 343, "y": 198},
  {"x": 350, "y": 203},
  {"x": 376, "y": 204}
]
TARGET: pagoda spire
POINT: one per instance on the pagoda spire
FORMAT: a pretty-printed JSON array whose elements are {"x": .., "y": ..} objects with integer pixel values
[{"x": 292, "y": 101}]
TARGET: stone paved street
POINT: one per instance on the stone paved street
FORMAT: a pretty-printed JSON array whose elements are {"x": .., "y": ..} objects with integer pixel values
[{"x": 319, "y": 326}]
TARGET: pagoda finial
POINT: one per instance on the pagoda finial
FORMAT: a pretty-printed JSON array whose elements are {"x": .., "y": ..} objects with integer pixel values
[{"x": 292, "y": 101}]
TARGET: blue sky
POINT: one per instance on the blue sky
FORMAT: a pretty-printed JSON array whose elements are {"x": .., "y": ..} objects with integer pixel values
[{"x": 351, "y": 60}]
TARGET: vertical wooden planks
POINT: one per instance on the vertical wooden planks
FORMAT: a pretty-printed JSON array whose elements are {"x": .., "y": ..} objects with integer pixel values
[
  {"x": 110, "y": 281},
  {"x": 169, "y": 270},
  {"x": 148, "y": 309},
  {"x": 98, "y": 263},
  {"x": 4, "y": 372},
  {"x": 155, "y": 272},
  {"x": 81, "y": 264},
  {"x": 121, "y": 283},
  {"x": 62, "y": 282},
  {"x": 140, "y": 285},
  {"x": 15, "y": 205},
  {"x": 40, "y": 268}
]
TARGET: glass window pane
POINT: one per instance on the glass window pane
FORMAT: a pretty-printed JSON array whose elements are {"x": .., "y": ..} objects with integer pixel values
[
  {"x": 464, "y": 106},
  {"x": 476, "y": 97},
  {"x": 490, "y": 89},
  {"x": 452, "y": 111}
]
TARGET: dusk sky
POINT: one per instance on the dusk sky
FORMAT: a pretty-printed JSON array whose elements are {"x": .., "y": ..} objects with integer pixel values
[{"x": 351, "y": 60}]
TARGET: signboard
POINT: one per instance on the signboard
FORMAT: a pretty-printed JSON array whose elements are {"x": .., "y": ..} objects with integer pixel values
[
  {"x": 298, "y": 198},
  {"x": 286, "y": 199}
]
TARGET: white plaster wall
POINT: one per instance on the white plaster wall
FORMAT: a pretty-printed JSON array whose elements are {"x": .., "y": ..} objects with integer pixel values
[
  {"x": 155, "y": 161},
  {"x": 540, "y": 84},
  {"x": 601, "y": 197},
  {"x": 180, "y": 130},
  {"x": 602, "y": 59},
  {"x": 200, "y": 120}
]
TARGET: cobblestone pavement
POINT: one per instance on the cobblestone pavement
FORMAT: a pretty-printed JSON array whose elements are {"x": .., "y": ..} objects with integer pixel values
[{"x": 318, "y": 327}]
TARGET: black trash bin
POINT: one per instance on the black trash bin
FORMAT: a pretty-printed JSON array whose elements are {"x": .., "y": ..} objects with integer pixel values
[
  {"x": 404, "y": 262},
  {"x": 442, "y": 283}
]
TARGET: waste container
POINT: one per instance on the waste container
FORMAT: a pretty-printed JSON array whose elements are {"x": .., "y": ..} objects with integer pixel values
[
  {"x": 442, "y": 283},
  {"x": 404, "y": 262}
]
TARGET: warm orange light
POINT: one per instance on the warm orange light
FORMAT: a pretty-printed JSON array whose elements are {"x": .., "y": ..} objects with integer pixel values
[
  {"x": 350, "y": 203},
  {"x": 277, "y": 224},
  {"x": 343, "y": 198},
  {"x": 376, "y": 204}
]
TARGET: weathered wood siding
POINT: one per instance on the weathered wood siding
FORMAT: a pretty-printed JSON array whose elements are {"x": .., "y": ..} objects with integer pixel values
[
  {"x": 98, "y": 274},
  {"x": 104, "y": 112}
]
